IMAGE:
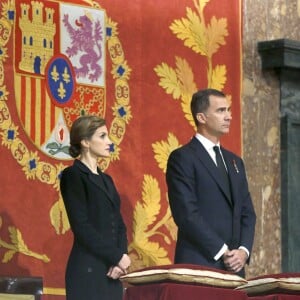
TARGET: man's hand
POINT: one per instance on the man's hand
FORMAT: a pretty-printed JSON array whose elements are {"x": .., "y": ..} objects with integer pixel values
[{"x": 235, "y": 260}]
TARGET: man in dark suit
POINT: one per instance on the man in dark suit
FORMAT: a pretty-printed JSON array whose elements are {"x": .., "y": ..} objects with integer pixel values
[{"x": 213, "y": 210}]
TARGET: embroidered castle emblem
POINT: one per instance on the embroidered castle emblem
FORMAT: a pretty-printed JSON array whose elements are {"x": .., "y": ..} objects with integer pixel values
[
  {"x": 37, "y": 37},
  {"x": 60, "y": 69}
]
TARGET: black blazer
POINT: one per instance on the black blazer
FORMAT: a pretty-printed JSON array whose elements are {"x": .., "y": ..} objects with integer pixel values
[
  {"x": 204, "y": 214},
  {"x": 93, "y": 208}
]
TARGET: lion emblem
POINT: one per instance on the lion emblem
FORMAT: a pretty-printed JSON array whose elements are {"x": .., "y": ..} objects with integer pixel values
[{"x": 86, "y": 38}]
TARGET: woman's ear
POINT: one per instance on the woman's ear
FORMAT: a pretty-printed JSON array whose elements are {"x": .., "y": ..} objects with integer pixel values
[
  {"x": 84, "y": 143},
  {"x": 201, "y": 117}
]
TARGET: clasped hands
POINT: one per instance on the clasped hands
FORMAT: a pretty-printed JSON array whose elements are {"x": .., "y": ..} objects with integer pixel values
[
  {"x": 116, "y": 272},
  {"x": 235, "y": 260}
]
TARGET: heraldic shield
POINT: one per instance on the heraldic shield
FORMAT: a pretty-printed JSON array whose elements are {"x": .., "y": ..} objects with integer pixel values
[{"x": 59, "y": 60}]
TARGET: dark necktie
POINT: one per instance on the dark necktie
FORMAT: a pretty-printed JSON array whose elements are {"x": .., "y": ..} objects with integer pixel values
[{"x": 223, "y": 171}]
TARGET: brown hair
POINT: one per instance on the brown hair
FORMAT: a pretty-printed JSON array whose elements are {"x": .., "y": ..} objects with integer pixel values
[
  {"x": 83, "y": 128},
  {"x": 200, "y": 101}
]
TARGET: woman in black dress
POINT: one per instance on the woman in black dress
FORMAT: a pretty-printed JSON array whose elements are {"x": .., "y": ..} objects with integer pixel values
[{"x": 99, "y": 253}]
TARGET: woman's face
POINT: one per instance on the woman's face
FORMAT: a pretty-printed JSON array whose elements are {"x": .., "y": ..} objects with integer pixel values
[{"x": 99, "y": 143}]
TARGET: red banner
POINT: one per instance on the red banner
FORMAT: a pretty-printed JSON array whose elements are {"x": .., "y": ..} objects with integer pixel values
[{"x": 140, "y": 71}]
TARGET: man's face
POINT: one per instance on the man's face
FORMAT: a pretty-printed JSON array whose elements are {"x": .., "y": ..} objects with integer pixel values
[{"x": 217, "y": 117}]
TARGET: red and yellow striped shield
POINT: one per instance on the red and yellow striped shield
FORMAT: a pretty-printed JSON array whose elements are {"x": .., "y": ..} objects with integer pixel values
[{"x": 59, "y": 69}]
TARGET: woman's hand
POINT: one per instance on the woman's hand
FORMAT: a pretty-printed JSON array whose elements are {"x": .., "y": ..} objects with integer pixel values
[
  {"x": 124, "y": 263},
  {"x": 115, "y": 272}
]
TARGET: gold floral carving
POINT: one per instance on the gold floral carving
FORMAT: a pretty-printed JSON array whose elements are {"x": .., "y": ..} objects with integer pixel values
[
  {"x": 148, "y": 222},
  {"x": 17, "y": 245},
  {"x": 205, "y": 40}
]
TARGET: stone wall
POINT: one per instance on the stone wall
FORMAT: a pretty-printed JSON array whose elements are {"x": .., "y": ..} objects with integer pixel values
[{"x": 264, "y": 20}]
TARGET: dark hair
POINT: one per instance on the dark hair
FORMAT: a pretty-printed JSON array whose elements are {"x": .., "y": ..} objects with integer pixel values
[
  {"x": 200, "y": 101},
  {"x": 83, "y": 128}
]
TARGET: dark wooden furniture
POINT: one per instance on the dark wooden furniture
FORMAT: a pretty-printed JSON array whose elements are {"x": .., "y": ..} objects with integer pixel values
[{"x": 22, "y": 285}]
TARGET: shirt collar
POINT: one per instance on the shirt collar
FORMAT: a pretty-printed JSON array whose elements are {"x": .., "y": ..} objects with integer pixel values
[{"x": 207, "y": 144}]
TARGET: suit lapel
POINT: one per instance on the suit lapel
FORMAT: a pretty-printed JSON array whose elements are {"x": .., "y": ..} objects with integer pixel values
[
  {"x": 108, "y": 188},
  {"x": 209, "y": 164},
  {"x": 228, "y": 161},
  {"x": 99, "y": 180}
]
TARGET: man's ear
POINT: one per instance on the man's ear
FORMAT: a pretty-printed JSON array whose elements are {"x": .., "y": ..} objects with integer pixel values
[{"x": 201, "y": 117}]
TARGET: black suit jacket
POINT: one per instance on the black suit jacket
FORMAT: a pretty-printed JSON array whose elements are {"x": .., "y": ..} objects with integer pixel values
[
  {"x": 93, "y": 208},
  {"x": 204, "y": 214}
]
